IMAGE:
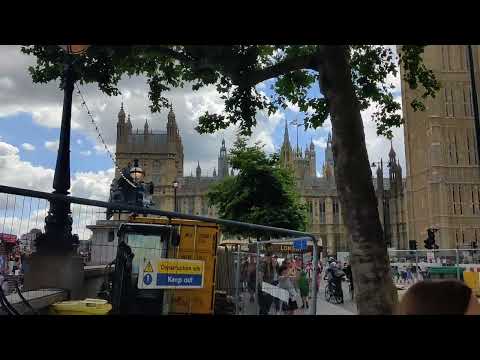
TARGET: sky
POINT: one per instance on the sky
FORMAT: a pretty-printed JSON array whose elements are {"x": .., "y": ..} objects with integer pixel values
[{"x": 30, "y": 116}]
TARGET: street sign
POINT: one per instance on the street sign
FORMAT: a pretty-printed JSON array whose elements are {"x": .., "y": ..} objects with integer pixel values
[
  {"x": 300, "y": 244},
  {"x": 159, "y": 273}
]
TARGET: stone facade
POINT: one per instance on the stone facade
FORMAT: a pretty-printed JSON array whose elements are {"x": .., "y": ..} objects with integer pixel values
[
  {"x": 443, "y": 187},
  {"x": 325, "y": 214},
  {"x": 160, "y": 154}
]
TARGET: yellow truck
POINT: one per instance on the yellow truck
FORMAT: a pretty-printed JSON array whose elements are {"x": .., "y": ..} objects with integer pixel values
[{"x": 150, "y": 286}]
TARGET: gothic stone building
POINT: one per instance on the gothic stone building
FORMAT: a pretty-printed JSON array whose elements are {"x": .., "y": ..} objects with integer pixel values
[
  {"x": 443, "y": 177},
  {"x": 160, "y": 154},
  {"x": 325, "y": 218}
]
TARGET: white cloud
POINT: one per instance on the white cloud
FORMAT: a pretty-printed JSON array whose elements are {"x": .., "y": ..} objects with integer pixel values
[
  {"x": 79, "y": 142},
  {"x": 379, "y": 146},
  {"x": 321, "y": 142},
  {"x": 86, "y": 153},
  {"x": 18, "y": 173},
  {"x": 27, "y": 213},
  {"x": 292, "y": 107},
  {"x": 28, "y": 147},
  {"x": 51, "y": 145}
]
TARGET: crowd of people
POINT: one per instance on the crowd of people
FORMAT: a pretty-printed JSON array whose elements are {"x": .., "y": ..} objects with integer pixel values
[
  {"x": 291, "y": 275},
  {"x": 408, "y": 274}
]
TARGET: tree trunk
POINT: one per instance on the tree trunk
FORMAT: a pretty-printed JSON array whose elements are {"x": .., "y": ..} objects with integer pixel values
[{"x": 375, "y": 292}]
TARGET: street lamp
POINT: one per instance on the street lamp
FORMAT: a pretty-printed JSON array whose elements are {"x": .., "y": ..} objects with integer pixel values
[
  {"x": 297, "y": 124},
  {"x": 175, "y": 186},
  {"x": 58, "y": 223},
  {"x": 136, "y": 172}
]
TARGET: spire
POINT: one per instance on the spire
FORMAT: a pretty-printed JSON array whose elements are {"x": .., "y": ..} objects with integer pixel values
[
  {"x": 146, "y": 126},
  {"x": 329, "y": 140},
  {"x": 121, "y": 114},
  {"x": 286, "y": 139},
  {"x": 392, "y": 153},
  {"x": 214, "y": 172},
  {"x": 312, "y": 146},
  {"x": 129, "y": 122},
  {"x": 171, "y": 114},
  {"x": 380, "y": 169},
  {"x": 199, "y": 170}
]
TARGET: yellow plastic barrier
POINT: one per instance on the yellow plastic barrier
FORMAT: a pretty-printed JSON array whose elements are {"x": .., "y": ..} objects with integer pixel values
[
  {"x": 81, "y": 307},
  {"x": 472, "y": 279}
]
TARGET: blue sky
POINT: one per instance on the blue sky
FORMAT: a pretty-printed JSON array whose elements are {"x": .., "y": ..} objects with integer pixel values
[{"x": 20, "y": 128}]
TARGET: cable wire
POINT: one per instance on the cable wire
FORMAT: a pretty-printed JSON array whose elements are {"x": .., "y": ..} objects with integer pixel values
[{"x": 84, "y": 104}]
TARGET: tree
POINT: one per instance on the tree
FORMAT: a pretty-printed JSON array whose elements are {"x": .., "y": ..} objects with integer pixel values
[
  {"x": 350, "y": 79},
  {"x": 261, "y": 193}
]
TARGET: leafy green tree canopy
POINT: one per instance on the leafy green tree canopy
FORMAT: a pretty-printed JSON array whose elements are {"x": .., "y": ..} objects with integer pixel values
[
  {"x": 262, "y": 192},
  {"x": 236, "y": 70}
]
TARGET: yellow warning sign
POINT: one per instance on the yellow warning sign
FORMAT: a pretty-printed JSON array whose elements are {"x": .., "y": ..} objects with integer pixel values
[{"x": 148, "y": 268}]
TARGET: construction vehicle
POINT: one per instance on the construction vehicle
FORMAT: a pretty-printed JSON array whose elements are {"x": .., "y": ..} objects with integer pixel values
[{"x": 144, "y": 242}]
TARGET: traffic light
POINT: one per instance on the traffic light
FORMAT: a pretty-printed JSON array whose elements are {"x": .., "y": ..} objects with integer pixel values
[{"x": 430, "y": 241}]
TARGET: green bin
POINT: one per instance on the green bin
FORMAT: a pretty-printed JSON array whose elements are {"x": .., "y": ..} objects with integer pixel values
[{"x": 445, "y": 272}]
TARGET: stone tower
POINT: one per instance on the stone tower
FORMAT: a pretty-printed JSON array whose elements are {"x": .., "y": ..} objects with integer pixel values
[
  {"x": 286, "y": 151},
  {"x": 443, "y": 178},
  {"x": 328, "y": 167},
  {"x": 160, "y": 154},
  {"x": 223, "y": 161},
  {"x": 198, "y": 171}
]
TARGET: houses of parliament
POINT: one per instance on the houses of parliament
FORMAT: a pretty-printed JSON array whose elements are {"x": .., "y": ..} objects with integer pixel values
[{"x": 441, "y": 187}]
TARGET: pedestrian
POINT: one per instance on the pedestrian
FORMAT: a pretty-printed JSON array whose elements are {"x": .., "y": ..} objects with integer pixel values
[
  {"x": 414, "y": 273},
  {"x": 304, "y": 288},
  {"x": 252, "y": 278},
  {"x": 409, "y": 274},
  {"x": 403, "y": 273},
  {"x": 444, "y": 297},
  {"x": 276, "y": 268},
  {"x": 266, "y": 274},
  {"x": 347, "y": 269},
  {"x": 285, "y": 282},
  {"x": 244, "y": 275}
]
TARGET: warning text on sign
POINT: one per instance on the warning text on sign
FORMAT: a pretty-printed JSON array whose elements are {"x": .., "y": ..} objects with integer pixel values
[{"x": 171, "y": 274}]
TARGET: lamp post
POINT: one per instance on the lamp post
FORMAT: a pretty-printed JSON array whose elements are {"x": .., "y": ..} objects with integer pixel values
[
  {"x": 58, "y": 223},
  {"x": 297, "y": 124},
  {"x": 175, "y": 186}
]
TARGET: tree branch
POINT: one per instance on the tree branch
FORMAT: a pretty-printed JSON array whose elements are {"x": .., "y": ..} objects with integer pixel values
[
  {"x": 295, "y": 63},
  {"x": 167, "y": 51}
]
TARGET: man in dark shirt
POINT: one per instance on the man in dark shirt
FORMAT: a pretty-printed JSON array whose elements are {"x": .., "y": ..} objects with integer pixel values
[{"x": 266, "y": 274}]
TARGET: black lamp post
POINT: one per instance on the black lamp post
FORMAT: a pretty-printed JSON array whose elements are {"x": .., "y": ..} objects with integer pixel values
[
  {"x": 175, "y": 186},
  {"x": 58, "y": 223}
]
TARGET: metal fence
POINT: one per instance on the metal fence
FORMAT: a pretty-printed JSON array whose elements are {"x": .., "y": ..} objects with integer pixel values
[
  {"x": 22, "y": 217},
  {"x": 260, "y": 286},
  {"x": 411, "y": 266}
]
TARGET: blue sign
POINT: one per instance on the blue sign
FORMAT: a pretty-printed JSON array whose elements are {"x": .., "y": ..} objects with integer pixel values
[
  {"x": 184, "y": 280},
  {"x": 300, "y": 244},
  {"x": 147, "y": 279}
]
